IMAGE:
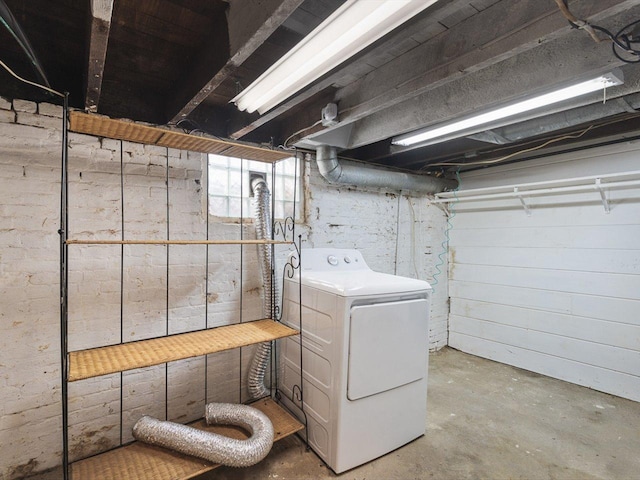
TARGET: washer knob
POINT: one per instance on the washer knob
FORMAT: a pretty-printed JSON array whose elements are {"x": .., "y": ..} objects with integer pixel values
[
  {"x": 347, "y": 259},
  {"x": 333, "y": 260}
]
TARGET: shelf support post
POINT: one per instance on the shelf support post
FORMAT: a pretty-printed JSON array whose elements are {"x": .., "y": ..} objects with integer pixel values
[{"x": 64, "y": 270}]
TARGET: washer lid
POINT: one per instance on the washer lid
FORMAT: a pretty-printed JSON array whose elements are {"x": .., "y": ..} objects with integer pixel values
[{"x": 361, "y": 282}]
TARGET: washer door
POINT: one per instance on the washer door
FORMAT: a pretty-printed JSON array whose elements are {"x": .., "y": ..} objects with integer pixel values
[{"x": 388, "y": 346}]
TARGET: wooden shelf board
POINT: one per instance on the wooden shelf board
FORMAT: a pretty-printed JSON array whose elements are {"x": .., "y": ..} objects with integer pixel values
[
  {"x": 139, "y": 461},
  {"x": 145, "y": 353},
  {"x": 102, "y": 126},
  {"x": 177, "y": 242}
]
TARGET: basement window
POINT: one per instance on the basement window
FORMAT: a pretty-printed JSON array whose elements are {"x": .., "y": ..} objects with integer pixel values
[{"x": 230, "y": 194}]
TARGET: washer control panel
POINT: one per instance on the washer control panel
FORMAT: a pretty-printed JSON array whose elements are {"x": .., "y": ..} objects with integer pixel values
[
  {"x": 339, "y": 259},
  {"x": 336, "y": 260}
]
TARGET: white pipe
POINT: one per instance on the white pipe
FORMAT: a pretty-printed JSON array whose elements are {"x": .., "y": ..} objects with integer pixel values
[
  {"x": 548, "y": 183},
  {"x": 518, "y": 192}
]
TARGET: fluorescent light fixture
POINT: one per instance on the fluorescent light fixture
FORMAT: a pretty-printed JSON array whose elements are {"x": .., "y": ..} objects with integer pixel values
[
  {"x": 466, "y": 126},
  {"x": 351, "y": 28}
]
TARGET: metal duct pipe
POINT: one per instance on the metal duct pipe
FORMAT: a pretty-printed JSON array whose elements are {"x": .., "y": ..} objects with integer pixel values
[
  {"x": 560, "y": 120},
  {"x": 257, "y": 388},
  {"x": 212, "y": 446},
  {"x": 334, "y": 172}
]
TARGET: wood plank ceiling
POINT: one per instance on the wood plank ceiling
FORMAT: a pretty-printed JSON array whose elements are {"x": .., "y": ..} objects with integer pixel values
[{"x": 181, "y": 61}]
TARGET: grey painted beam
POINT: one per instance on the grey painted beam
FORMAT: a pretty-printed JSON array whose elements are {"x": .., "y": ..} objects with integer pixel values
[
  {"x": 250, "y": 23},
  {"x": 420, "y": 31},
  {"x": 501, "y": 31},
  {"x": 101, "y": 11},
  {"x": 539, "y": 69}
]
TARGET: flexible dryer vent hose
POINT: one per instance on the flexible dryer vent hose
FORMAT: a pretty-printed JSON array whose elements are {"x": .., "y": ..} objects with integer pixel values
[
  {"x": 212, "y": 446},
  {"x": 257, "y": 388}
]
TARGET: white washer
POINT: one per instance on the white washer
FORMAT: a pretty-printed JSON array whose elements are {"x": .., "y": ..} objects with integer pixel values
[{"x": 364, "y": 356}]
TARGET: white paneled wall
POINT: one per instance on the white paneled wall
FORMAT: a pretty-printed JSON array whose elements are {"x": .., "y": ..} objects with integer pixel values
[{"x": 556, "y": 292}]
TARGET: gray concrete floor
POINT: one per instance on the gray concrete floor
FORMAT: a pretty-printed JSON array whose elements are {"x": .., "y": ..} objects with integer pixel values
[{"x": 487, "y": 420}]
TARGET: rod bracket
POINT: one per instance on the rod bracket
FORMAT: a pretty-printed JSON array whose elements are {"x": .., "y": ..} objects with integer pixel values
[
  {"x": 603, "y": 196},
  {"x": 526, "y": 207}
]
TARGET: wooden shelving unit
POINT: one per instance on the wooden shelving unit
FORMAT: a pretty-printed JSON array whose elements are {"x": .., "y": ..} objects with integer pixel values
[
  {"x": 139, "y": 461},
  {"x": 145, "y": 353}
]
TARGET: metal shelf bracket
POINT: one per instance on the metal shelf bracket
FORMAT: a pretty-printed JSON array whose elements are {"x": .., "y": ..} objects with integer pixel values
[
  {"x": 603, "y": 196},
  {"x": 526, "y": 207}
]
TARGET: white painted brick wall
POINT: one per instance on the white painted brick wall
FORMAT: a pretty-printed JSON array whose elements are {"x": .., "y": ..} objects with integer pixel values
[
  {"x": 30, "y": 427},
  {"x": 397, "y": 234}
]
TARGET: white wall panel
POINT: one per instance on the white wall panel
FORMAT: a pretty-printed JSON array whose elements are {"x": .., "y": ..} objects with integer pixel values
[{"x": 556, "y": 292}]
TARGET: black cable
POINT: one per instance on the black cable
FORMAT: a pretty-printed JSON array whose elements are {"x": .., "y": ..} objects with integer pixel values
[
  {"x": 166, "y": 365},
  {"x": 621, "y": 41},
  {"x": 121, "y": 284},
  {"x": 12, "y": 25}
]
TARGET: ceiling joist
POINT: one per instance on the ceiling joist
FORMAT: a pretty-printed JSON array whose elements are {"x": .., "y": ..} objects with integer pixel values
[
  {"x": 101, "y": 11},
  {"x": 535, "y": 70},
  {"x": 477, "y": 43},
  {"x": 250, "y": 23}
]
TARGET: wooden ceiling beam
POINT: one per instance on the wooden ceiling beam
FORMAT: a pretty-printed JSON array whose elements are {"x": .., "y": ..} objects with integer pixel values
[
  {"x": 250, "y": 23},
  {"x": 535, "y": 70},
  {"x": 101, "y": 11},
  {"x": 502, "y": 31},
  {"x": 505, "y": 29},
  {"x": 242, "y": 124}
]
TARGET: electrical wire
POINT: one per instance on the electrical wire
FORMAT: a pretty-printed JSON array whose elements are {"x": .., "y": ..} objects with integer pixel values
[
  {"x": 447, "y": 231},
  {"x": 284, "y": 145},
  {"x": 511, "y": 155},
  {"x": 43, "y": 87},
  {"x": 620, "y": 41},
  {"x": 9, "y": 21}
]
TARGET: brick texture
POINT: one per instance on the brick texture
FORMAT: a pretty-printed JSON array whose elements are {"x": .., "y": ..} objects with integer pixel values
[{"x": 397, "y": 234}]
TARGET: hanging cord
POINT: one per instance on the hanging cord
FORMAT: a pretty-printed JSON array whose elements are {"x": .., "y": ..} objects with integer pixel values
[
  {"x": 284, "y": 145},
  {"x": 9, "y": 21},
  {"x": 511, "y": 155},
  {"x": 413, "y": 236},
  {"x": 621, "y": 41},
  {"x": 445, "y": 242},
  {"x": 29, "y": 82}
]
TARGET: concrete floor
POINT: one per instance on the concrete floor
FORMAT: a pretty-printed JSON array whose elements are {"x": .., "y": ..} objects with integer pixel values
[{"x": 487, "y": 420}]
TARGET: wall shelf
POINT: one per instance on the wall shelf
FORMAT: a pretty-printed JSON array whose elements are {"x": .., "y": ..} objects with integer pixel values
[
  {"x": 139, "y": 461},
  {"x": 102, "y": 126},
  {"x": 155, "y": 351}
]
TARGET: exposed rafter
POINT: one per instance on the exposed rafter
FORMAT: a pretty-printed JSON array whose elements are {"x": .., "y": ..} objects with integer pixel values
[
  {"x": 475, "y": 43},
  {"x": 410, "y": 36},
  {"x": 250, "y": 23},
  {"x": 532, "y": 71},
  {"x": 101, "y": 11}
]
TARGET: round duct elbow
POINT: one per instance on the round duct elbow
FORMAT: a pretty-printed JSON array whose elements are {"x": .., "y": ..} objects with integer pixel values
[
  {"x": 336, "y": 173},
  {"x": 212, "y": 446}
]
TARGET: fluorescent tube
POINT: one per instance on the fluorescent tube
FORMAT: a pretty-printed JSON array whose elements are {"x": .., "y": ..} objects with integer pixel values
[
  {"x": 523, "y": 106},
  {"x": 351, "y": 28}
]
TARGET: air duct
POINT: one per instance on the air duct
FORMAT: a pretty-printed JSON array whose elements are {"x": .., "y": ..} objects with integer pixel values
[
  {"x": 335, "y": 172},
  {"x": 560, "y": 120},
  {"x": 256, "y": 386},
  {"x": 212, "y": 446}
]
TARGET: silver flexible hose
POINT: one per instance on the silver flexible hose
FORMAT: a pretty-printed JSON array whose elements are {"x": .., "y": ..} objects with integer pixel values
[
  {"x": 212, "y": 446},
  {"x": 256, "y": 386}
]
